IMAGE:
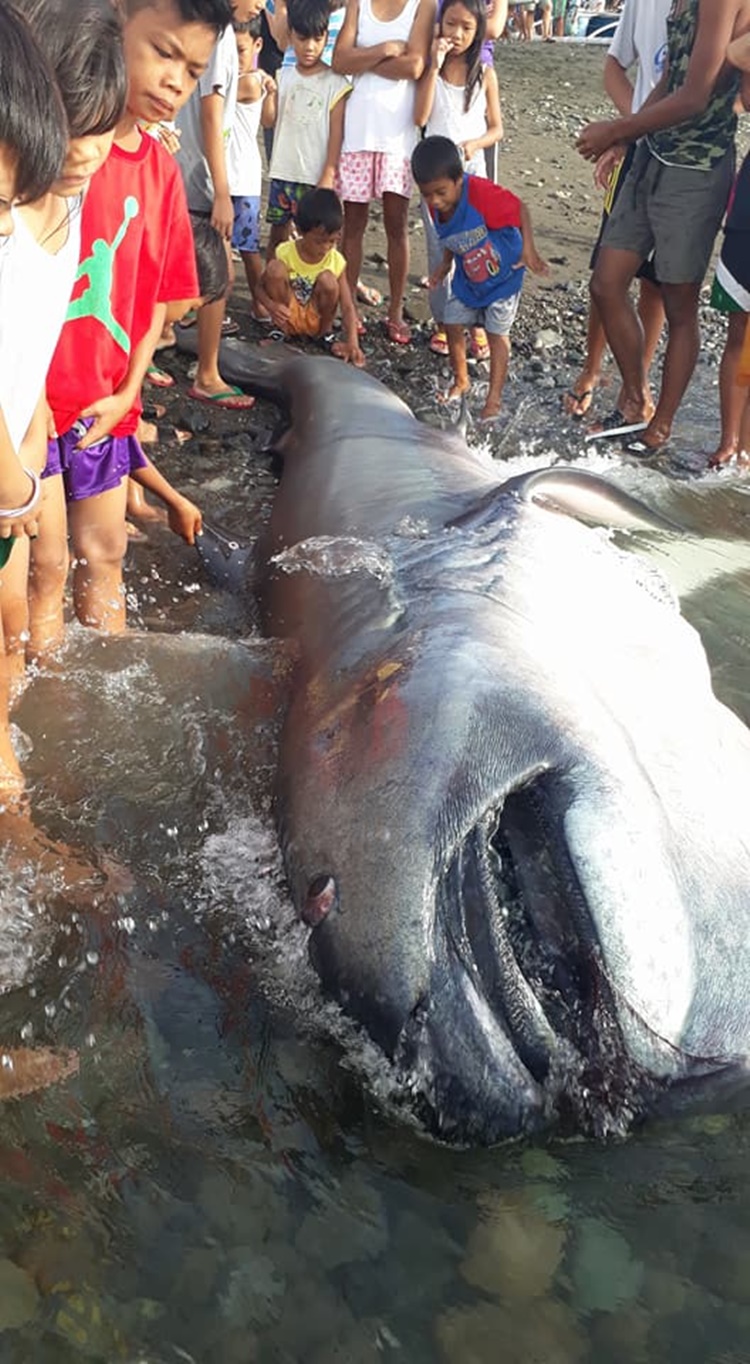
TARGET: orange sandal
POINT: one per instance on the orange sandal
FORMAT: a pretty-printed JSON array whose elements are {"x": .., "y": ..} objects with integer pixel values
[
  {"x": 438, "y": 342},
  {"x": 479, "y": 346}
]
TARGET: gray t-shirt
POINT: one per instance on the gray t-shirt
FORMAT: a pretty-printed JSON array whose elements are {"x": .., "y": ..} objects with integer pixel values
[{"x": 221, "y": 77}]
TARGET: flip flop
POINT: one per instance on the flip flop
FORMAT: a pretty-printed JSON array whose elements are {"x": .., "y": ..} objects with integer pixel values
[
  {"x": 398, "y": 332},
  {"x": 614, "y": 425},
  {"x": 585, "y": 396},
  {"x": 479, "y": 346},
  {"x": 159, "y": 377},
  {"x": 366, "y": 293},
  {"x": 438, "y": 343},
  {"x": 231, "y": 398}
]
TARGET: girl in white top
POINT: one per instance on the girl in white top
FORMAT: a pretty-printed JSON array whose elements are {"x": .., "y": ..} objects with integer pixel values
[
  {"x": 383, "y": 45},
  {"x": 458, "y": 97}
]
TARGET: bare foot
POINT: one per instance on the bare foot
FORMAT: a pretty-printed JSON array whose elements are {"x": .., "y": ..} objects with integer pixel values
[
  {"x": 724, "y": 455},
  {"x": 25, "y": 1069},
  {"x": 655, "y": 435},
  {"x": 454, "y": 393},
  {"x": 491, "y": 409},
  {"x": 577, "y": 401}
]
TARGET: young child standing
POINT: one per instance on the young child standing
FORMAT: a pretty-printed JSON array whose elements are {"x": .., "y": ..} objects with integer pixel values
[
  {"x": 309, "y": 119},
  {"x": 255, "y": 107},
  {"x": 304, "y": 287},
  {"x": 137, "y": 256},
  {"x": 487, "y": 239},
  {"x": 205, "y": 126},
  {"x": 458, "y": 97}
]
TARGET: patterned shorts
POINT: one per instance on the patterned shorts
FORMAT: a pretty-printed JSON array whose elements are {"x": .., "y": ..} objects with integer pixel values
[
  {"x": 283, "y": 198},
  {"x": 363, "y": 176},
  {"x": 246, "y": 230}
]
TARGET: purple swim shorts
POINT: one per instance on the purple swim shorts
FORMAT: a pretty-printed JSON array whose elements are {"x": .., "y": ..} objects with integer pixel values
[{"x": 96, "y": 470}]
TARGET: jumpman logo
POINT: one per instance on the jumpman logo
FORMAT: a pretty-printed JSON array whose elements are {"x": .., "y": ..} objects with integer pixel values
[{"x": 99, "y": 269}]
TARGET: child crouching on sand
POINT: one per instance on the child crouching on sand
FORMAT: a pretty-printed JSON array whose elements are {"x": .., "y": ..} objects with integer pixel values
[
  {"x": 487, "y": 240},
  {"x": 305, "y": 286}
]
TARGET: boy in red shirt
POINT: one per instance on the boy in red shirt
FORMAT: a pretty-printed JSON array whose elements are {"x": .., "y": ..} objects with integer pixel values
[{"x": 136, "y": 257}]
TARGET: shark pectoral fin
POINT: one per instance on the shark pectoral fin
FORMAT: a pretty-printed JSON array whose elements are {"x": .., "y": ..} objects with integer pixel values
[{"x": 589, "y": 498}]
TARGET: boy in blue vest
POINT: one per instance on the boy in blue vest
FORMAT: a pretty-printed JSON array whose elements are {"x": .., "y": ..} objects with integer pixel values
[{"x": 488, "y": 240}]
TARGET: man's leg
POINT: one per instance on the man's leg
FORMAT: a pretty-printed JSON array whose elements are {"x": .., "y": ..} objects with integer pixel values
[
  {"x": 578, "y": 401},
  {"x": 610, "y": 290},
  {"x": 683, "y": 343}
]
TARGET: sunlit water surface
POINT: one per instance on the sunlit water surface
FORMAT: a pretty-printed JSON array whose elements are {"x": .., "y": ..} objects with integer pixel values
[{"x": 227, "y": 1179}]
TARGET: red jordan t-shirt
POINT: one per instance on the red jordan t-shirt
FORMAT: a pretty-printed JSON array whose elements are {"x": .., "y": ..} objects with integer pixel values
[{"x": 136, "y": 251}]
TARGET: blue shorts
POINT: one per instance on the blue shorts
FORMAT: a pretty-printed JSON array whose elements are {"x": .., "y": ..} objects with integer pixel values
[
  {"x": 96, "y": 470},
  {"x": 283, "y": 197},
  {"x": 246, "y": 230},
  {"x": 497, "y": 318}
]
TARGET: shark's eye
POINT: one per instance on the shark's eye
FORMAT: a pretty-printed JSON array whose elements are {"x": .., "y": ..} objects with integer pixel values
[{"x": 320, "y": 899}]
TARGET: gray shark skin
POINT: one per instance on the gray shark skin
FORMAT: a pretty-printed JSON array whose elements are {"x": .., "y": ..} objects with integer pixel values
[{"x": 511, "y": 808}]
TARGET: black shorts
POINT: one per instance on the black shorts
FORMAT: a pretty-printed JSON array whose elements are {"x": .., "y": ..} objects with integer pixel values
[{"x": 616, "y": 180}]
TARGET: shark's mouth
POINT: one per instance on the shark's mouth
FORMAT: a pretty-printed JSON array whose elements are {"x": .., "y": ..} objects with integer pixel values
[{"x": 518, "y": 926}]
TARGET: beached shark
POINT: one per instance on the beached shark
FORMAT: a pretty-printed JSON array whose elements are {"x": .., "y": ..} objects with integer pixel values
[{"x": 511, "y": 809}]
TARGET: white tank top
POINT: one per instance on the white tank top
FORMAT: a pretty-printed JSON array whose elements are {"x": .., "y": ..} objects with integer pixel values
[
  {"x": 35, "y": 289},
  {"x": 380, "y": 113},
  {"x": 244, "y": 169},
  {"x": 450, "y": 119}
]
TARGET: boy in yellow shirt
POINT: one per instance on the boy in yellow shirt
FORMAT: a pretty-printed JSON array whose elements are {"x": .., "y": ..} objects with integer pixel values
[{"x": 305, "y": 285}]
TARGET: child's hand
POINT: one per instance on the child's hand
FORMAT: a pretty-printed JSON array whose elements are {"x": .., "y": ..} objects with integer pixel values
[
  {"x": 467, "y": 150},
  {"x": 437, "y": 276},
  {"x": 531, "y": 259},
  {"x": 279, "y": 313},
  {"x": 350, "y": 352},
  {"x": 107, "y": 414},
  {"x": 596, "y": 139},
  {"x": 222, "y": 215},
  {"x": 327, "y": 179},
  {"x": 440, "y": 49},
  {"x": 169, "y": 136},
  {"x": 268, "y": 83},
  {"x": 394, "y": 47},
  {"x": 185, "y": 519}
]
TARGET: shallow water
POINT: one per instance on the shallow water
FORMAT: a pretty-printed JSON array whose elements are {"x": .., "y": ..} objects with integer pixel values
[{"x": 227, "y": 1179}]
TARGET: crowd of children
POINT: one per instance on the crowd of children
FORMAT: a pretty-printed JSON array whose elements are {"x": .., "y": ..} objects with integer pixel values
[{"x": 132, "y": 167}]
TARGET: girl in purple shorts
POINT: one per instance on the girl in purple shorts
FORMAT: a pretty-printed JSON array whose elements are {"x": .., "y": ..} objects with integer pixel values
[{"x": 384, "y": 45}]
